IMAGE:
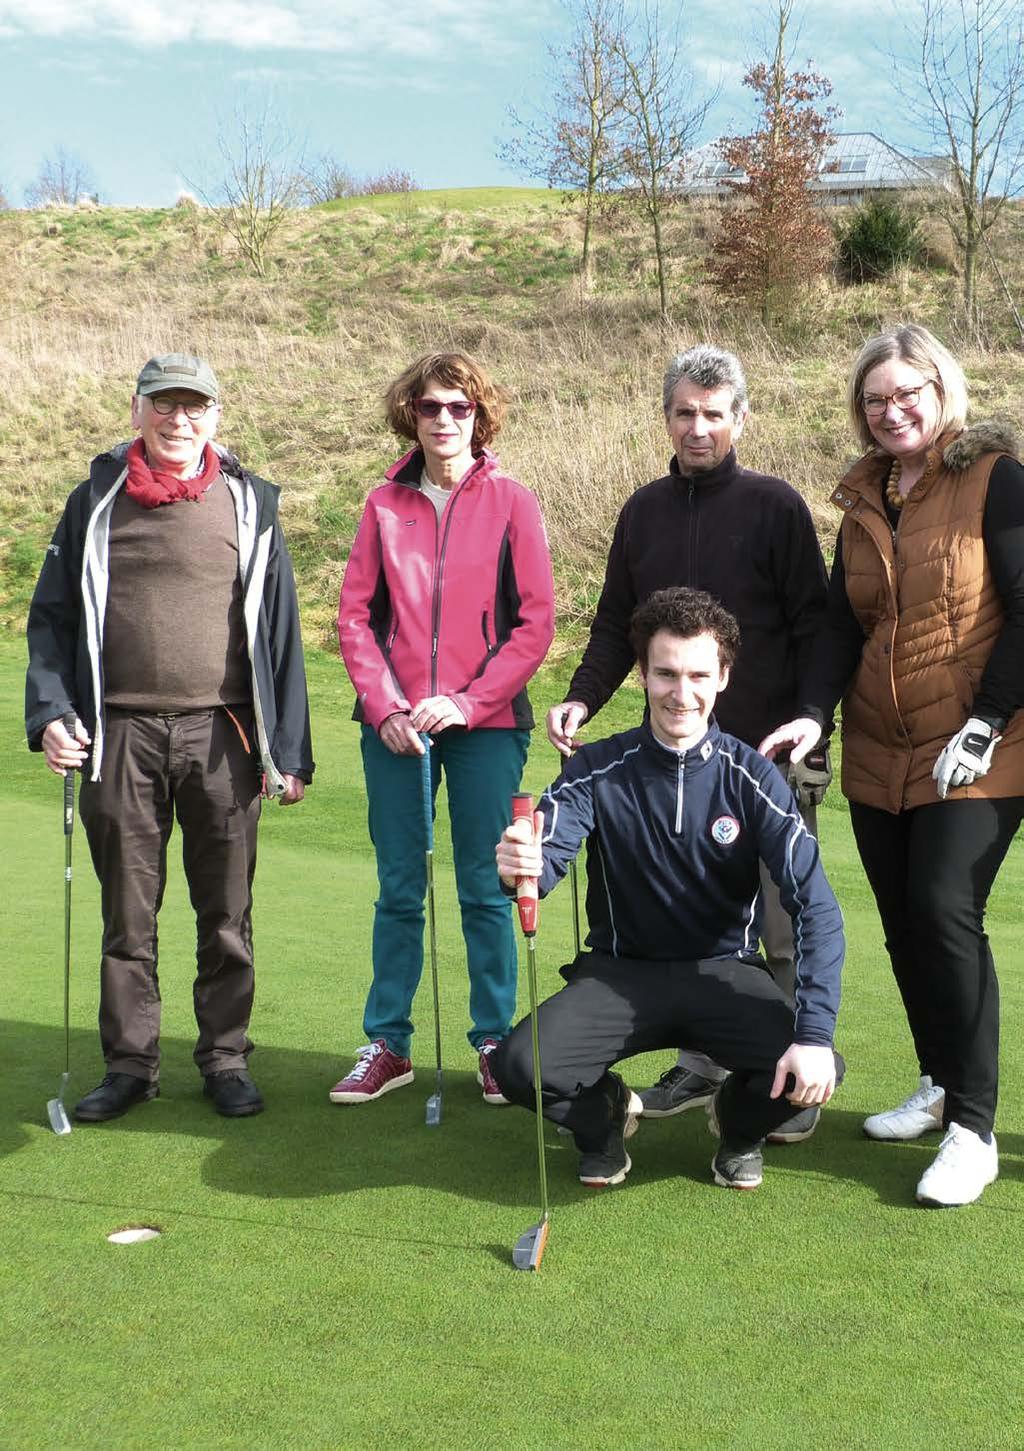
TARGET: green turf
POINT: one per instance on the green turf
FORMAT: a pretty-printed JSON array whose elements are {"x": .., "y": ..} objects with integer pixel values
[
  {"x": 451, "y": 199},
  {"x": 334, "y": 1278}
]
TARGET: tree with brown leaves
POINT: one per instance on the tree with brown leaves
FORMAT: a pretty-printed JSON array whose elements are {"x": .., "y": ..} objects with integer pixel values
[{"x": 774, "y": 239}]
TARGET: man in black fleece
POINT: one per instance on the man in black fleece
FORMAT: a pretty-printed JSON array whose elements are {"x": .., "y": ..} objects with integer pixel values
[{"x": 749, "y": 540}]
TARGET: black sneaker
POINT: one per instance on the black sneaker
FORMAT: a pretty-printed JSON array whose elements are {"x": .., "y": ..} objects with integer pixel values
[
  {"x": 113, "y": 1097},
  {"x": 608, "y": 1163},
  {"x": 738, "y": 1166},
  {"x": 678, "y": 1089},
  {"x": 797, "y": 1128},
  {"x": 233, "y": 1092}
]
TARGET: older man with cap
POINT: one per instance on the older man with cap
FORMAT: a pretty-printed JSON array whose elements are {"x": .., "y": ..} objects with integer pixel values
[{"x": 165, "y": 660}]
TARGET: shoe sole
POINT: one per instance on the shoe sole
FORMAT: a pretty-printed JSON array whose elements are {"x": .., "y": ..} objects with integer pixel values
[
  {"x": 904, "y": 1138},
  {"x": 701, "y": 1101},
  {"x": 725, "y": 1183},
  {"x": 352, "y": 1097},
  {"x": 929, "y": 1203},
  {"x": 245, "y": 1111},
  {"x": 102, "y": 1118},
  {"x": 599, "y": 1182}
]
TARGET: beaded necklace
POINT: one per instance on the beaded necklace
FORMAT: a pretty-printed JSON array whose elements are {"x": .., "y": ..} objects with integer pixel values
[
  {"x": 892, "y": 485},
  {"x": 895, "y": 499}
]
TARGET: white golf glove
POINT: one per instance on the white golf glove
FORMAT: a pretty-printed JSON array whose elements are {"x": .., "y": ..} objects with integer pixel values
[
  {"x": 811, "y": 777},
  {"x": 967, "y": 756}
]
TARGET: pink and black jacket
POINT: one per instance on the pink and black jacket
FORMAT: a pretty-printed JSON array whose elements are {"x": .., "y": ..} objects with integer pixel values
[{"x": 462, "y": 606}]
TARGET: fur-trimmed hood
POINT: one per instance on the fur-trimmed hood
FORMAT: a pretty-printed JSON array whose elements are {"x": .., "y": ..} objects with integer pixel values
[{"x": 992, "y": 436}]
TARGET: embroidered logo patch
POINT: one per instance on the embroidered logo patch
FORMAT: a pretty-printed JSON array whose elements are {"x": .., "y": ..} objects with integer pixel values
[{"x": 725, "y": 830}]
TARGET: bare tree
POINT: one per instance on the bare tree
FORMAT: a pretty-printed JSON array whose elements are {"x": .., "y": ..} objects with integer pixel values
[
  {"x": 262, "y": 179},
  {"x": 971, "y": 82},
  {"x": 661, "y": 118},
  {"x": 62, "y": 179},
  {"x": 327, "y": 180},
  {"x": 387, "y": 183},
  {"x": 572, "y": 144},
  {"x": 774, "y": 238}
]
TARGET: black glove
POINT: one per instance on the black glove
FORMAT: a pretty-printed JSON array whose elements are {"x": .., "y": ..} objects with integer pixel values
[{"x": 811, "y": 777}]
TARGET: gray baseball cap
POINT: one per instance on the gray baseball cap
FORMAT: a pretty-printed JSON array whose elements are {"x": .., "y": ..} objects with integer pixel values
[{"x": 178, "y": 370}]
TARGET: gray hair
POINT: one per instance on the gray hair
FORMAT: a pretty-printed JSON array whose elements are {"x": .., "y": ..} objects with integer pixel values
[
  {"x": 915, "y": 345},
  {"x": 708, "y": 367}
]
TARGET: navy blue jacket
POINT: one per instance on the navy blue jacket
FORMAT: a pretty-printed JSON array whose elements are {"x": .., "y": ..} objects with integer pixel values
[{"x": 673, "y": 845}]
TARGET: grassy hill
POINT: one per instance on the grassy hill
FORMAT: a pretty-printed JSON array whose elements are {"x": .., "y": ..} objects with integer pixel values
[{"x": 359, "y": 288}]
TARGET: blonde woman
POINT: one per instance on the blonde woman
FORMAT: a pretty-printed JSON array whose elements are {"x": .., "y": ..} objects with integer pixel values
[{"x": 924, "y": 644}]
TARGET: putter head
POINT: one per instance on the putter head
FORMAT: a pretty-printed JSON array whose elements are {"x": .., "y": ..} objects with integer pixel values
[
  {"x": 58, "y": 1114},
  {"x": 434, "y": 1110},
  {"x": 529, "y": 1247}
]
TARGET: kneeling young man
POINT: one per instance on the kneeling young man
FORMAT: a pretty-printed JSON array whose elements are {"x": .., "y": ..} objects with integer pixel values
[{"x": 676, "y": 816}]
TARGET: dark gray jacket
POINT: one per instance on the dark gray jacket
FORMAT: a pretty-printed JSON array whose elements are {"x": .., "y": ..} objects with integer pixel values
[{"x": 65, "y": 621}]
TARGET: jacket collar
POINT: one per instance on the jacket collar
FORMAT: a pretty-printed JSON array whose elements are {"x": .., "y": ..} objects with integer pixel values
[
  {"x": 695, "y": 759},
  {"x": 408, "y": 469},
  {"x": 723, "y": 473}
]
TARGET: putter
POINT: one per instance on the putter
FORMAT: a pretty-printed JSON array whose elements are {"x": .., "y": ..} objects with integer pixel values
[
  {"x": 574, "y": 884},
  {"x": 58, "y": 1114},
  {"x": 433, "y": 1110},
  {"x": 529, "y": 1247}
]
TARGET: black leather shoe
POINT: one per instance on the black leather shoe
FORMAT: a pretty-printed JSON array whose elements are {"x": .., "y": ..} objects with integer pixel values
[
  {"x": 114, "y": 1096},
  {"x": 233, "y": 1092}
]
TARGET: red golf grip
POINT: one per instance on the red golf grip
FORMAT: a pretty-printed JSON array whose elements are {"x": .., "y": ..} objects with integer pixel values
[{"x": 526, "y": 887}]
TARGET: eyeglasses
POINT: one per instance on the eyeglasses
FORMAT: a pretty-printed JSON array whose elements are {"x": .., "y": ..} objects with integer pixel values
[
  {"x": 192, "y": 411},
  {"x": 874, "y": 405},
  {"x": 431, "y": 408}
]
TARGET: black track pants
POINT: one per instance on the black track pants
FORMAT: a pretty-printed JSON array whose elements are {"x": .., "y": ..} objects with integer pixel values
[
  {"x": 931, "y": 870},
  {"x": 613, "y": 1007}
]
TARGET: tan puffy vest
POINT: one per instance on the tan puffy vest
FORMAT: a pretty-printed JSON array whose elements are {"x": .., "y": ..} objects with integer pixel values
[{"x": 930, "y": 613}]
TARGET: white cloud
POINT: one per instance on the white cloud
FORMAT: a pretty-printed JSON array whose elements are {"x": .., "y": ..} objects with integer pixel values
[{"x": 409, "y": 28}]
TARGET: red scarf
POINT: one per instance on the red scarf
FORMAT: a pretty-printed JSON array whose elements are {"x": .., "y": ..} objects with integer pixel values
[{"x": 153, "y": 487}]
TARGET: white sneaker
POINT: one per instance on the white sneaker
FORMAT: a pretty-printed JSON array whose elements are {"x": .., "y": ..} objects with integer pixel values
[
  {"x": 919, "y": 1114},
  {"x": 960, "y": 1170}
]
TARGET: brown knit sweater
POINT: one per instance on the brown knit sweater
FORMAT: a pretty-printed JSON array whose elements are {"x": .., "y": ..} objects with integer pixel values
[{"x": 173, "y": 636}]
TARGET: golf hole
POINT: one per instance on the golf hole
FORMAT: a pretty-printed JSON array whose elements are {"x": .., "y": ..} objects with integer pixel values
[{"x": 134, "y": 1234}]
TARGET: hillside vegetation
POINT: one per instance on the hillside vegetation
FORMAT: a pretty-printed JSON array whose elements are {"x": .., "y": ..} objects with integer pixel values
[{"x": 360, "y": 288}]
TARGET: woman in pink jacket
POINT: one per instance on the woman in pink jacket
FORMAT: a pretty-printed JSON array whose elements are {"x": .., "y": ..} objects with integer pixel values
[{"x": 447, "y": 610}]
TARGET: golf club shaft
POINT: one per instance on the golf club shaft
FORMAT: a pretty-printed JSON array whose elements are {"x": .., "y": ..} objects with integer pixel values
[
  {"x": 531, "y": 978},
  {"x": 69, "y": 822},
  {"x": 428, "y": 823},
  {"x": 574, "y": 884},
  {"x": 529, "y": 918}
]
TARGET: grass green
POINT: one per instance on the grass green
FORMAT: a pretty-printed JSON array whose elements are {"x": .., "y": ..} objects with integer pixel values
[
  {"x": 332, "y": 1277},
  {"x": 451, "y": 199}
]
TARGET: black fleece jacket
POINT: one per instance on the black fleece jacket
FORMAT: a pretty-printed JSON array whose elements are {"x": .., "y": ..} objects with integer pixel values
[{"x": 746, "y": 538}]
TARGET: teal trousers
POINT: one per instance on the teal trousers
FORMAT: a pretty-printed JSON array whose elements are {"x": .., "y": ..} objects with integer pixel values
[{"x": 482, "y": 769}]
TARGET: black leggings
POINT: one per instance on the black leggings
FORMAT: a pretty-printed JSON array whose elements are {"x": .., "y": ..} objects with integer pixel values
[{"x": 931, "y": 870}]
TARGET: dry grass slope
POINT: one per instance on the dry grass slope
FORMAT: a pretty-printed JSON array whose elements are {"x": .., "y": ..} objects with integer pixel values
[{"x": 355, "y": 293}]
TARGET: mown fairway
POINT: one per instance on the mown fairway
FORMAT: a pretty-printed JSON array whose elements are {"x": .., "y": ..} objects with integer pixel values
[{"x": 333, "y": 1277}]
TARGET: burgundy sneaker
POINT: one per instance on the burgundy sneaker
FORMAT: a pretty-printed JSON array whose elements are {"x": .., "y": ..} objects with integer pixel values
[
  {"x": 377, "y": 1070},
  {"x": 485, "y": 1078}
]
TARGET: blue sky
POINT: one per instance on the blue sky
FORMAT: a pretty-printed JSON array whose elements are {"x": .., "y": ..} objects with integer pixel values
[{"x": 138, "y": 89}]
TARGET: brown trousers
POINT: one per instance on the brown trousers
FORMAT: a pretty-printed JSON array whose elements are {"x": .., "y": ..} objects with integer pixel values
[{"x": 193, "y": 766}]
